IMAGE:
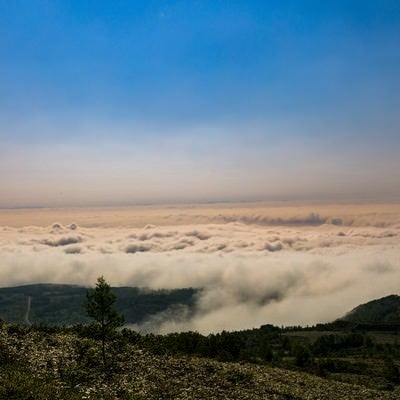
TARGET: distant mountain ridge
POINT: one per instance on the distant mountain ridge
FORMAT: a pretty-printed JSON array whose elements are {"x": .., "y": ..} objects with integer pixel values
[
  {"x": 385, "y": 310},
  {"x": 61, "y": 304}
]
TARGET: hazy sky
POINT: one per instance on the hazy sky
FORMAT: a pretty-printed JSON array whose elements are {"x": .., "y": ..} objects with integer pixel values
[{"x": 117, "y": 102}]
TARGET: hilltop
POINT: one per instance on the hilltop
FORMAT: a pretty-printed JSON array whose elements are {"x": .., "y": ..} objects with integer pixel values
[{"x": 385, "y": 310}]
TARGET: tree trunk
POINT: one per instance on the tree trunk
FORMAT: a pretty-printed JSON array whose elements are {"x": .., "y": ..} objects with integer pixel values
[{"x": 103, "y": 349}]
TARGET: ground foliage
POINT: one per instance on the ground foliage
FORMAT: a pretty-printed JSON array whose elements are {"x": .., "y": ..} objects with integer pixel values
[
  {"x": 60, "y": 363},
  {"x": 370, "y": 358}
]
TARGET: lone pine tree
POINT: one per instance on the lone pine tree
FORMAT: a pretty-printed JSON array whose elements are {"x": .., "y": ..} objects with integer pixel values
[{"x": 99, "y": 305}]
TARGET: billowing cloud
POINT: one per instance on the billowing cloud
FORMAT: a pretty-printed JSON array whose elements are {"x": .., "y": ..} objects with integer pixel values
[
  {"x": 134, "y": 248},
  {"x": 62, "y": 241},
  {"x": 249, "y": 273},
  {"x": 205, "y": 238},
  {"x": 73, "y": 250}
]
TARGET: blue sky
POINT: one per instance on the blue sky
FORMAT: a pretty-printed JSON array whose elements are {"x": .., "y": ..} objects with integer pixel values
[{"x": 134, "y": 101}]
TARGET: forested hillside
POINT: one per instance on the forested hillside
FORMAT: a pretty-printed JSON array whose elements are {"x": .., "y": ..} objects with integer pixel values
[
  {"x": 51, "y": 304},
  {"x": 381, "y": 311}
]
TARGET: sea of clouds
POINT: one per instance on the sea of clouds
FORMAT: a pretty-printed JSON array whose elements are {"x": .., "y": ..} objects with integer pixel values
[{"x": 251, "y": 268}]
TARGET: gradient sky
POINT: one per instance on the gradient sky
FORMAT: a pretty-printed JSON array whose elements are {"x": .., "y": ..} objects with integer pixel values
[{"x": 120, "y": 102}]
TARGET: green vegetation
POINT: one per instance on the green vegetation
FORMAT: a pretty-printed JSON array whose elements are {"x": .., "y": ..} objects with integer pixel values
[
  {"x": 382, "y": 311},
  {"x": 360, "y": 357},
  {"x": 99, "y": 306},
  {"x": 38, "y": 363},
  {"x": 340, "y": 360},
  {"x": 53, "y": 304}
]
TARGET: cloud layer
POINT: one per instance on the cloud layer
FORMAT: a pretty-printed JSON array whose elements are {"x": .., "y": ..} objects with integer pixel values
[
  {"x": 283, "y": 270},
  {"x": 236, "y": 237}
]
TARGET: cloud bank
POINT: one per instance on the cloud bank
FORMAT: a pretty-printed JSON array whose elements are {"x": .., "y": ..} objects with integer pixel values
[{"x": 306, "y": 271}]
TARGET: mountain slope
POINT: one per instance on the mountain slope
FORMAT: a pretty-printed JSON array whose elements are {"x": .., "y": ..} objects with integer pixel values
[{"x": 380, "y": 311}]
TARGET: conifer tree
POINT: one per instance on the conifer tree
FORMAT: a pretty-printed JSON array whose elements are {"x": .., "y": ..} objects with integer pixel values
[{"x": 99, "y": 305}]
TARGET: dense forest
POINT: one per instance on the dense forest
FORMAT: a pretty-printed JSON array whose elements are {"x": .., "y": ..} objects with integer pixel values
[{"x": 52, "y": 304}]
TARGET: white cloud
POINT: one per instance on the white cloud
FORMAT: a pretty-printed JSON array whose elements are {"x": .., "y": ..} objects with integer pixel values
[{"x": 250, "y": 273}]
